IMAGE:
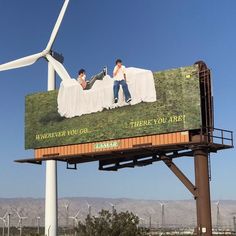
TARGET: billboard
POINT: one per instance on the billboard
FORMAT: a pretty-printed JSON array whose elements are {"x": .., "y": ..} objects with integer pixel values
[{"x": 176, "y": 108}]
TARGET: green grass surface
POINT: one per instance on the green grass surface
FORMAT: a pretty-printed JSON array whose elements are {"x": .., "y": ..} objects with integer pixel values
[{"x": 177, "y": 108}]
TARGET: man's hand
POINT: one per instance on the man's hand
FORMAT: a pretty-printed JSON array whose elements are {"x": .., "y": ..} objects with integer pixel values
[{"x": 116, "y": 71}]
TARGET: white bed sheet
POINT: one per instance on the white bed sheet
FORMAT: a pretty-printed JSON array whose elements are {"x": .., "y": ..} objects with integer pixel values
[{"x": 74, "y": 101}]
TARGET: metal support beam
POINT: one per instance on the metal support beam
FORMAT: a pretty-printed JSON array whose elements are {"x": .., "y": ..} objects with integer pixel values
[
  {"x": 203, "y": 201},
  {"x": 201, "y": 189},
  {"x": 181, "y": 176}
]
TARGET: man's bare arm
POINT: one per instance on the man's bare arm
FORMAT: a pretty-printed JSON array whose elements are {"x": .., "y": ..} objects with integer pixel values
[{"x": 125, "y": 76}]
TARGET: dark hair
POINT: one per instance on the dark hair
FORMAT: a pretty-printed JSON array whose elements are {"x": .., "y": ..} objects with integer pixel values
[
  {"x": 81, "y": 71},
  {"x": 118, "y": 61}
]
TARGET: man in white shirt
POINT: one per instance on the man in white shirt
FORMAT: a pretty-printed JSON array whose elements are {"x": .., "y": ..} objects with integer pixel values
[
  {"x": 119, "y": 76},
  {"x": 81, "y": 78}
]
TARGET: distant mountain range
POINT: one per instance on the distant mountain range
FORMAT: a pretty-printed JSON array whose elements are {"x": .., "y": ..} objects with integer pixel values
[{"x": 175, "y": 213}]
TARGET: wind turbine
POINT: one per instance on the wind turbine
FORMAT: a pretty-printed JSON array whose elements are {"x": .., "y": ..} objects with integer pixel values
[
  {"x": 218, "y": 215},
  {"x": 20, "y": 222},
  {"x": 8, "y": 223},
  {"x": 140, "y": 219},
  {"x": 47, "y": 53},
  {"x": 112, "y": 207},
  {"x": 38, "y": 224},
  {"x": 162, "y": 214},
  {"x": 4, "y": 220},
  {"x": 149, "y": 216},
  {"x": 89, "y": 209},
  {"x": 234, "y": 223},
  {"x": 75, "y": 218},
  {"x": 67, "y": 212},
  {"x": 51, "y": 210}
]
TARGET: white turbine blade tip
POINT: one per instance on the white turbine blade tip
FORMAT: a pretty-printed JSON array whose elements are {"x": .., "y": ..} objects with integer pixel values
[
  {"x": 57, "y": 25},
  {"x": 22, "y": 62}
]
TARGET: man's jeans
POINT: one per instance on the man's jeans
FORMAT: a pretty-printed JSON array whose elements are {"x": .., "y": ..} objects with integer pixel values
[
  {"x": 96, "y": 77},
  {"x": 116, "y": 88}
]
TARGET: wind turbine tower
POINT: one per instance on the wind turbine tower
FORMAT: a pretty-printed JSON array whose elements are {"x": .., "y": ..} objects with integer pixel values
[
  {"x": 38, "y": 224},
  {"x": 20, "y": 222},
  {"x": 234, "y": 222},
  {"x": 67, "y": 213},
  {"x": 150, "y": 221},
  {"x": 112, "y": 207},
  {"x": 89, "y": 209},
  {"x": 4, "y": 221},
  {"x": 162, "y": 214},
  {"x": 75, "y": 219},
  {"x": 8, "y": 223},
  {"x": 218, "y": 215}
]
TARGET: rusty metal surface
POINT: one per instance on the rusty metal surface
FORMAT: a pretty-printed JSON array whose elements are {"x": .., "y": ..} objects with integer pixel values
[{"x": 220, "y": 141}]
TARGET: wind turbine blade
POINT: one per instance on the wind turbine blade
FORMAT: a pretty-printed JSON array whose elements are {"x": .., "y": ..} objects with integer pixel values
[
  {"x": 77, "y": 213},
  {"x": 58, "y": 67},
  {"x": 18, "y": 214},
  {"x": 57, "y": 25},
  {"x": 5, "y": 216},
  {"x": 24, "y": 61}
]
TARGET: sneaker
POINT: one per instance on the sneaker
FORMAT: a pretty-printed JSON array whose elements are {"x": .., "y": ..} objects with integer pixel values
[
  {"x": 116, "y": 100},
  {"x": 105, "y": 71},
  {"x": 129, "y": 100}
]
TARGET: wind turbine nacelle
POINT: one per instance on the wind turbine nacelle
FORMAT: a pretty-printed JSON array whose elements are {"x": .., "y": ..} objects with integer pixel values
[{"x": 59, "y": 57}]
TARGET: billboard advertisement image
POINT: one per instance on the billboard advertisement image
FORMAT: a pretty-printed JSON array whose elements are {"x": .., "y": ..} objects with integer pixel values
[{"x": 162, "y": 102}]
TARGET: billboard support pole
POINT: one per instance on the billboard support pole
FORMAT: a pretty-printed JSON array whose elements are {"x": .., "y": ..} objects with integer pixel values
[
  {"x": 203, "y": 200},
  {"x": 201, "y": 189},
  {"x": 51, "y": 222}
]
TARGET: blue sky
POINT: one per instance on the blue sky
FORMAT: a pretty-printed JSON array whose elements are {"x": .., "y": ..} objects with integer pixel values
[{"x": 150, "y": 34}]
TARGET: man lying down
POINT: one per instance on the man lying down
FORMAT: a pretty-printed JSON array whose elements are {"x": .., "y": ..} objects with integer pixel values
[
  {"x": 76, "y": 98},
  {"x": 88, "y": 84}
]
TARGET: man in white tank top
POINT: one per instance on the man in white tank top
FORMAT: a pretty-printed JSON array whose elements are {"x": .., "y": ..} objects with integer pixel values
[{"x": 119, "y": 76}]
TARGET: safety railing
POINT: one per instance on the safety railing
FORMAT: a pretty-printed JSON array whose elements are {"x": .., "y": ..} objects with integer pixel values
[{"x": 217, "y": 136}]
